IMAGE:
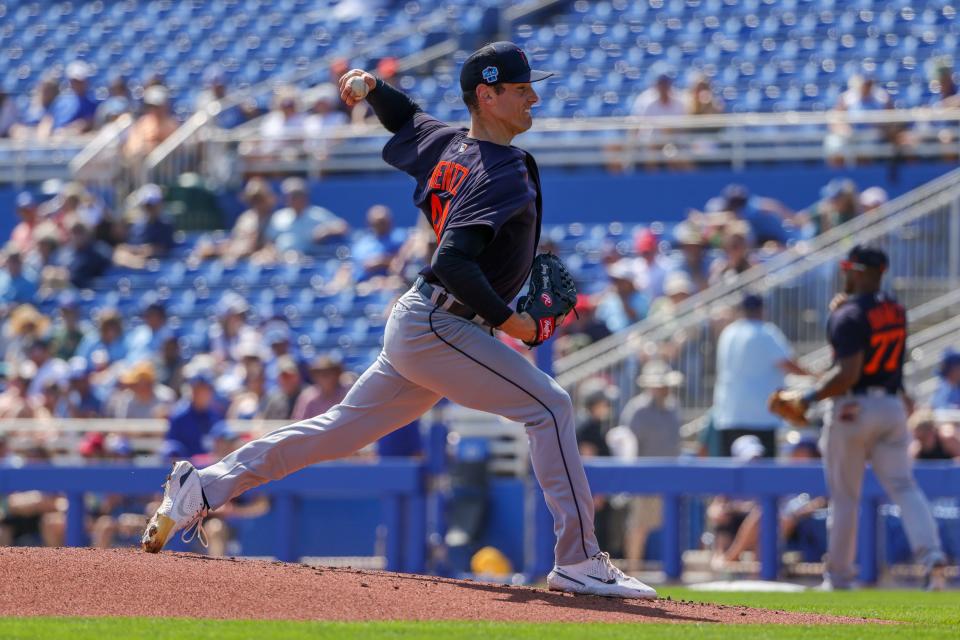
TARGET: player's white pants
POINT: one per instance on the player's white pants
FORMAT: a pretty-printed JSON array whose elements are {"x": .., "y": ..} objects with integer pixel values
[
  {"x": 858, "y": 429},
  {"x": 428, "y": 354}
]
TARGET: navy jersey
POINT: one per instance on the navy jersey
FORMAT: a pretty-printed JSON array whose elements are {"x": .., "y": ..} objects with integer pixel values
[
  {"x": 876, "y": 325},
  {"x": 464, "y": 182}
]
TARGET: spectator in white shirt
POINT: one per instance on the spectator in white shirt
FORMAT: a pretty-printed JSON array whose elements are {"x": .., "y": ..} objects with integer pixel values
[
  {"x": 752, "y": 358},
  {"x": 660, "y": 100}
]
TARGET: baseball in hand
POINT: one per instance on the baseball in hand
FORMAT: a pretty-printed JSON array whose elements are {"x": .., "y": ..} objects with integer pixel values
[{"x": 358, "y": 87}]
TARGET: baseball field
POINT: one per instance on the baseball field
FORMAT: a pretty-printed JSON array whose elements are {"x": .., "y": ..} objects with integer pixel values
[{"x": 85, "y": 593}]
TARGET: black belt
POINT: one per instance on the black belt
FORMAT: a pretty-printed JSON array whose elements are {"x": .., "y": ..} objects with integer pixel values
[{"x": 447, "y": 302}]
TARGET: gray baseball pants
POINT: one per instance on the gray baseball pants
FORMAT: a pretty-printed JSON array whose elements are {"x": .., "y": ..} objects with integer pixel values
[
  {"x": 427, "y": 354},
  {"x": 874, "y": 428}
]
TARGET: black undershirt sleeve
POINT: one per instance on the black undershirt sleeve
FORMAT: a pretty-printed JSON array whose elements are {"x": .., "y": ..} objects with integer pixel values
[
  {"x": 393, "y": 108},
  {"x": 455, "y": 264}
]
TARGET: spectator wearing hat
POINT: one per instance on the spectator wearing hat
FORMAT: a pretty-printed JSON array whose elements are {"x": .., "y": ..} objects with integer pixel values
[
  {"x": 67, "y": 332},
  {"x": 38, "y": 110},
  {"x": 651, "y": 266},
  {"x": 947, "y": 394},
  {"x": 280, "y": 402},
  {"x": 15, "y": 286},
  {"x": 931, "y": 440},
  {"x": 323, "y": 115},
  {"x": 693, "y": 259},
  {"x": 752, "y": 358},
  {"x": 326, "y": 391},
  {"x": 653, "y": 418},
  {"x": 82, "y": 402},
  {"x": 597, "y": 397},
  {"x": 153, "y": 127},
  {"x": 677, "y": 287},
  {"x": 194, "y": 416},
  {"x": 142, "y": 398},
  {"x": 107, "y": 339},
  {"x": 231, "y": 327},
  {"x": 376, "y": 247},
  {"x": 248, "y": 238},
  {"x": 872, "y": 199},
  {"x": 621, "y": 305},
  {"x": 839, "y": 203},
  {"x": 24, "y": 325},
  {"x": 147, "y": 340},
  {"x": 73, "y": 110},
  {"x": 49, "y": 369},
  {"x": 300, "y": 224},
  {"x": 151, "y": 236},
  {"x": 22, "y": 238}
]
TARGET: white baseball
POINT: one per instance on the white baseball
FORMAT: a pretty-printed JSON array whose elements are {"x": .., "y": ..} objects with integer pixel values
[{"x": 358, "y": 87}]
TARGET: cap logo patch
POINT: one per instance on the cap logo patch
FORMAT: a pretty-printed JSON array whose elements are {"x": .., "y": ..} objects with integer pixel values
[{"x": 490, "y": 74}]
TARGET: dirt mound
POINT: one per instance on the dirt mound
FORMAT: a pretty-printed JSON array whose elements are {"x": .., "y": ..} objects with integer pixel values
[{"x": 126, "y": 582}]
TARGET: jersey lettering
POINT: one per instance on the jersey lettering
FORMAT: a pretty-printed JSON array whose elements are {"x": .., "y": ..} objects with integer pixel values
[
  {"x": 445, "y": 180},
  {"x": 439, "y": 208},
  {"x": 886, "y": 315},
  {"x": 448, "y": 176},
  {"x": 887, "y": 347}
]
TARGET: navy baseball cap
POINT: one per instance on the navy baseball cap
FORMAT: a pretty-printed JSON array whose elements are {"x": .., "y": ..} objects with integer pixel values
[
  {"x": 863, "y": 257},
  {"x": 498, "y": 62},
  {"x": 751, "y": 302}
]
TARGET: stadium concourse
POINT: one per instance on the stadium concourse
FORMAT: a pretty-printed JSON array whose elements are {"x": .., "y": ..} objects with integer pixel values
[{"x": 200, "y": 300}]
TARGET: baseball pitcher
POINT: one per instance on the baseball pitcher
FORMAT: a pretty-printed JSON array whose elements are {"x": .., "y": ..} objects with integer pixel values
[{"x": 482, "y": 197}]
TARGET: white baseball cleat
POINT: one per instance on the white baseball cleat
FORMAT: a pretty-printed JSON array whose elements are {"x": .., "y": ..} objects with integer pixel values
[
  {"x": 183, "y": 507},
  {"x": 597, "y": 576}
]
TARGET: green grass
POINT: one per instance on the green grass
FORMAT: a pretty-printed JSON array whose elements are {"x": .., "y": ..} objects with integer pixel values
[{"x": 925, "y": 615}]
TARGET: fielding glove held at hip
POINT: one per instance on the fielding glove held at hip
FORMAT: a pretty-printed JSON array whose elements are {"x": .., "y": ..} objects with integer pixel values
[
  {"x": 789, "y": 405},
  {"x": 550, "y": 297}
]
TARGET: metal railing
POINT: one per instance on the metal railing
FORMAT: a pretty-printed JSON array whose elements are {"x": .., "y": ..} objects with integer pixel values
[
  {"x": 920, "y": 232},
  {"x": 24, "y": 162},
  {"x": 734, "y": 140}
]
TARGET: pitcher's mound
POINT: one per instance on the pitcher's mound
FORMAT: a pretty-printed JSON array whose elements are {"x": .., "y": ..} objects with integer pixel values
[{"x": 127, "y": 582}]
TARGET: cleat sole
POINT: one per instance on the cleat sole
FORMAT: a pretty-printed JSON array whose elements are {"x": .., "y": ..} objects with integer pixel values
[{"x": 156, "y": 534}]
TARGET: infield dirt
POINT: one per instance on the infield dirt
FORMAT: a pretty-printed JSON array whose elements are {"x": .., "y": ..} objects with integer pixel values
[{"x": 127, "y": 582}]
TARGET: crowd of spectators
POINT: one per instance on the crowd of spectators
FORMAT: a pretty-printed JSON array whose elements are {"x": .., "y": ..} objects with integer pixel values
[{"x": 68, "y": 103}]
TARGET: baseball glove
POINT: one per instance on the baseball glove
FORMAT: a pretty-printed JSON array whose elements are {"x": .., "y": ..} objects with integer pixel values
[
  {"x": 550, "y": 297},
  {"x": 789, "y": 405}
]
